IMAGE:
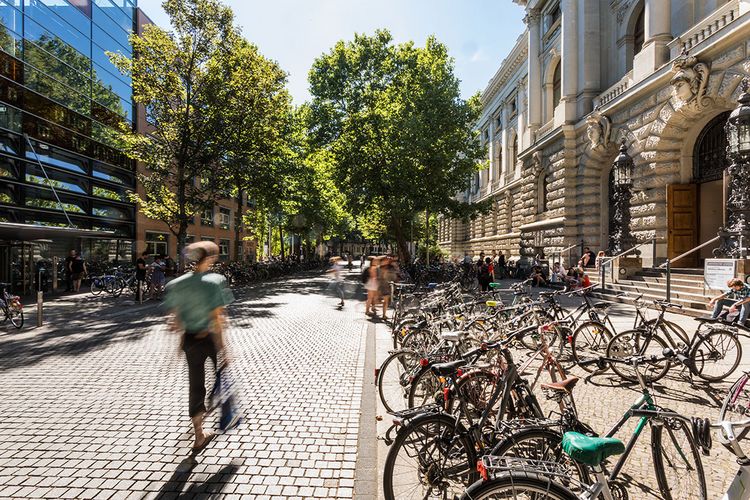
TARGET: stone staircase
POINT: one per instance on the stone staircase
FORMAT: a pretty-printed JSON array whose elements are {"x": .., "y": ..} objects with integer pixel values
[{"x": 687, "y": 289}]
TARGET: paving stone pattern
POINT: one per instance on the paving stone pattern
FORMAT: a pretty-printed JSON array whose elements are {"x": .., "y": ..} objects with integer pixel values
[{"x": 97, "y": 407}]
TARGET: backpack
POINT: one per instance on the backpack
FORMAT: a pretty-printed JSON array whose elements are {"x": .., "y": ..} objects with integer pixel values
[
  {"x": 484, "y": 271},
  {"x": 365, "y": 274}
]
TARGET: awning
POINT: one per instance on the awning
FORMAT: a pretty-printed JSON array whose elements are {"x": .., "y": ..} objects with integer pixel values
[{"x": 26, "y": 232}]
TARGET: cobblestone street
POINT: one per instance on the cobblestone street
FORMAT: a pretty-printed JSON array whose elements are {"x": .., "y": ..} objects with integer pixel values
[{"x": 98, "y": 408}]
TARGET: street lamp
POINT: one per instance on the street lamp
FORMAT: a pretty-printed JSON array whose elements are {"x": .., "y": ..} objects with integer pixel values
[
  {"x": 736, "y": 232},
  {"x": 620, "y": 237}
]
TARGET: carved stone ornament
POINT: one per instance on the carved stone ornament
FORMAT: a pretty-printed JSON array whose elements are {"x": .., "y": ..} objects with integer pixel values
[
  {"x": 689, "y": 82},
  {"x": 536, "y": 163},
  {"x": 620, "y": 8},
  {"x": 532, "y": 17},
  {"x": 598, "y": 129}
]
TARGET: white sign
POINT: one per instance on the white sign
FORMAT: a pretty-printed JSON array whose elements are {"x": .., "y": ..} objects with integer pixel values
[{"x": 717, "y": 272}]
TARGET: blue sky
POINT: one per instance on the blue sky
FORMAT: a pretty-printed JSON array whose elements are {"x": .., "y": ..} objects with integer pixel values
[{"x": 478, "y": 33}]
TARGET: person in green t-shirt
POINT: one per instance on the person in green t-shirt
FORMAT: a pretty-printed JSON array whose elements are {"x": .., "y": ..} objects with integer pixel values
[{"x": 196, "y": 301}]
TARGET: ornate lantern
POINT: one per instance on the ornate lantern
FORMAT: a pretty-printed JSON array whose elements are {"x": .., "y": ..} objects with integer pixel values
[
  {"x": 738, "y": 125},
  {"x": 623, "y": 167}
]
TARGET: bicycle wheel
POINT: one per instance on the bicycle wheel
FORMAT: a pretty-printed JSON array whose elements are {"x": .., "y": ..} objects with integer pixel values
[
  {"x": 531, "y": 337},
  {"x": 118, "y": 286},
  {"x": 537, "y": 443},
  {"x": 677, "y": 462},
  {"x": 472, "y": 391},
  {"x": 425, "y": 389},
  {"x": 15, "y": 313},
  {"x": 736, "y": 405},
  {"x": 673, "y": 331},
  {"x": 96, "y": 286},
  {"x": 716, "y": 356},
  {"x": 393, "y": 379},
  {"x": 517, "y": 485},
  {"x": 430, "y": 458},
  {"x": 589, "y": 342},
  {"x": 636, "y": 343},
  {"x": 420, "y": 340}
]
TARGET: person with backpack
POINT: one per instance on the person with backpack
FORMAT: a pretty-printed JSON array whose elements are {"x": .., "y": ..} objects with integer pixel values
[{"x": 485, "y": 274}]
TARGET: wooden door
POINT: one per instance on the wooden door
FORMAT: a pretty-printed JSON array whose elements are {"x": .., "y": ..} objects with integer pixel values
[{"x": 682, "y": 223}]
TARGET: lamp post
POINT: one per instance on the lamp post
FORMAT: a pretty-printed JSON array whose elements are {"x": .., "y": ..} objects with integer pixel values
[
  {"x": 736, "y": 233},
  {"x": 620, "y": 237}
]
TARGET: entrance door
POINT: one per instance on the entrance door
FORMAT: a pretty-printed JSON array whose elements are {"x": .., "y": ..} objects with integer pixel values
[{"x": 682, "y": 223}]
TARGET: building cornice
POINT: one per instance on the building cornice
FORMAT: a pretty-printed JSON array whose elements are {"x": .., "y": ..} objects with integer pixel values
[{"x": 508, "y": 67}]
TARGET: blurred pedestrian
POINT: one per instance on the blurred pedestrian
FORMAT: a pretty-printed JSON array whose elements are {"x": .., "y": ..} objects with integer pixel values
[
  {"x": 485, "y": 274},
  {"x": 386, "y": 275},
  {"x": 337, "y": 273},
  {"x": 69, "y": 270},
  {"x": 372, "y": 287},
  {"x": 158, "y": 277},
  {"x": 197, "y": 301},
  {"x": 78, "y": 270},
  {"x": 140, "y": 275}
]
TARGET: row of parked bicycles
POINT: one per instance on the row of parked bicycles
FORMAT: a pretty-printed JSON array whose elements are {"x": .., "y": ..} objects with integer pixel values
[{"x": 462, "y": 385}]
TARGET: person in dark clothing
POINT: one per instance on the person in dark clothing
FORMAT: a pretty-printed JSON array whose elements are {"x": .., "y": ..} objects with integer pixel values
[
  {"x": 485, "y": 274},
  {"x": 78, "y": 269},
  {"x": 69, "y": 270},
  {"x": 588, "y": 259},
  {"x": 501, "y": 271},
  {"x": 140, "y": 275}
]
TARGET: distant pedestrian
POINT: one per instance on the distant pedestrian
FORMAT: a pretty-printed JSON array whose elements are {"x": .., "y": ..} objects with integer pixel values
[
  {"x": 337, "y": 273},
  {"x": 170, "y": 266},
  {"x": 501, "y": 271},
  {"x": 372, "y": 287},
  {"x": 588, "y": 259},
  {"x": 197, "y": 301},
  {"x": 386, "y": 275},
  {"x": 484, "y": 275},
  {"x": 78, "y": 270},
  {"x": 158, "y": 277},
  {"x": 737, "y": 298},
  {"x": 140, "y": 275},
  {"x": 69, "y": 270}
]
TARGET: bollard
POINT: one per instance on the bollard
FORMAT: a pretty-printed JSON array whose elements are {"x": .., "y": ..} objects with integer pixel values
[
  {"x": 54, "y": 274},
  {"x": 39, "y": 307}
]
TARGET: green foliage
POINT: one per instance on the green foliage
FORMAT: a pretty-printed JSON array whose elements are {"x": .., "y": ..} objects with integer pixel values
[{"x": 401, "y": 138}]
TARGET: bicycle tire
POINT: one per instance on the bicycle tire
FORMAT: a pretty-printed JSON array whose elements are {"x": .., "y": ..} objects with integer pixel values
[
  {"x": 736, "y": 404},
  {"x": 675, "y": 463},
  {"x": 16, "y": 317},
  {"x": 420, "y": 340},
  {"x": 707, "y": 350},
  {"x": 117, "y": 287},
  {"x": 537, "y": 443},
  {"x": 96, "y": 286},
  {"x": 669, "y": 327},
  {"x": 399, "y": 360},
  {"x": 630, "y": 343},
  {"x": 473, "y": 389},
  {"x": 518, "y": 484},
  {"x": 441, "y": 435},
  {"x": 590, "y": 341},
  {"x": 424, "y": 389},
  {"x": 529, "y": 340}
]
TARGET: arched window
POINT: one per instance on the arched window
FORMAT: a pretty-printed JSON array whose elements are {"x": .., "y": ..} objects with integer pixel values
[
  {"x": 556, "y": 86},
  {"x": 514, "y": 152},
  {"x": 639, "y": 31},
  {"x": 542, "y": 192}
]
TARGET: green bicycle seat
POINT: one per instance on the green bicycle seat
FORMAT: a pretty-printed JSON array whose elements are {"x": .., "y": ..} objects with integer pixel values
[
  {"x": 590, "y": 450},
  {"x": 495, "y": 285}
]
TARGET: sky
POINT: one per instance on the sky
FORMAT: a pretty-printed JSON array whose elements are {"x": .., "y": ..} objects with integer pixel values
[{"x": 478, "y": 33}]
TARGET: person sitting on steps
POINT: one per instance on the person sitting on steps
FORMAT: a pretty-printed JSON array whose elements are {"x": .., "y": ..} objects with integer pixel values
[{"x": 737, "y": 298}]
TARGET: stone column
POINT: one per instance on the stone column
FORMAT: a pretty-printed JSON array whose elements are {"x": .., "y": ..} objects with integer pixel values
[
  {"x": 532, "y": 20},
  {"x": 504, "y": 147},
  {"x": 657, "y": 33},
  {"x": 491, "y": 150},
  {"x": 569, "y": 58},
  {"x": 589, "y": 79}
]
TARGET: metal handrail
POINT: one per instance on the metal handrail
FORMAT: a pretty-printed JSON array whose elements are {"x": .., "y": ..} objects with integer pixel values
[
  {"x": 668, "y": 263},
  {"x": 604, "y": 262}
]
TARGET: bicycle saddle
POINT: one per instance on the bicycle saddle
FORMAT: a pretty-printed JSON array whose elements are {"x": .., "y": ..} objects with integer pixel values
[
  {"x": 566, "y": 385},
  {"x": 453, "y": 336},
  {"x": 664, "y": 303},
  {"x": 446, "y": 369},
  {"x": 590, "y": 450},
  {"x": 602, "y": 305}
]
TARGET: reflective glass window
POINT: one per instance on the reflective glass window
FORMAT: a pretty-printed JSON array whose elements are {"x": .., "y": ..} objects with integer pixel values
[
  {"x": 111, "y": 212},
  {"x": 45, "y": 198},
  {"x": 11, "y": 92},
  {"x": 58, "y": 180},
  {"x": 57, "y": 91},
  {"x": 9, "y": 168},
  {"x": 54, "y": 112},
  {"x": 10, "y": 143},
  {"x": 57, "y": 158},
  {"x": 102, "y": 59},
  {"x": 76, "y": 77},
  {"x": 11, "y": 18},
  {"x": 45, "y": 21},
  {"x": 110, "y": 193},
  {"x": 107, "y": 135},
  {"x": 69, "y": 13},
  {"x": 113, "y": 114},
  {"x": 113, "y": 174},
  {"x": 109, "y": 155},
  {"x": 104, "y": 80},
  {"x": 107, "y": 33},
  {"x": 10, "y": 118},
  {"x": 58, "y": 47},
  {"x": 11, "y": 42},
  {"x": 116, "y": 14}
]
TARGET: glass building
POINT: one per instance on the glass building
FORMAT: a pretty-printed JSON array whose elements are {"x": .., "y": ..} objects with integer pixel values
[{"x": 61, "y": 104}]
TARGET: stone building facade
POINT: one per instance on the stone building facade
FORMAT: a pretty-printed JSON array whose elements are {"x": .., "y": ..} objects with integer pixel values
[{"x": 585, "y": 75}]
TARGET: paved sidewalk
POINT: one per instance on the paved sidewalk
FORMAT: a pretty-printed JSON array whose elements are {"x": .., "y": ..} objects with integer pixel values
[{"x": 98, "y": 408}]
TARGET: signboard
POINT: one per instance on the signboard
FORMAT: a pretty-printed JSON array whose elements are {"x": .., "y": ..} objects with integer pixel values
[{"x": 717, "y": 272}]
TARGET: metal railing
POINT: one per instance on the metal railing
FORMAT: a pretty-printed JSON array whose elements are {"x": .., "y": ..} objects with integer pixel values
[
  {"x": 668, "y": 263},
  {"x": 567, "y": 250},
  {"x": 609, "y": 260}
]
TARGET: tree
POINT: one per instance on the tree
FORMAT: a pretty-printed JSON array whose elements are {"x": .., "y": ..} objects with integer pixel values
[
  {"x": 402, "y": 139},
  {"x": 177, "y": 78},
  {"x": 256, "y": 126}
]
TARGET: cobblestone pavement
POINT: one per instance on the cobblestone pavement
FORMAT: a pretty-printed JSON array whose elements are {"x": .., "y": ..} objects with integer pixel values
[
  {"x": 98, "y": 408},
  {"x": 603, "y": 399}
]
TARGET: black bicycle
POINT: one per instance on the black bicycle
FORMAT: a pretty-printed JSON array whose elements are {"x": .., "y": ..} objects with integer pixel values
[{"x": 11, "y": 307}]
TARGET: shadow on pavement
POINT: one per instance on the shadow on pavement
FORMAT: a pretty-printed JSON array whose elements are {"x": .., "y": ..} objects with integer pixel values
[{"x": 213, "y": 485}]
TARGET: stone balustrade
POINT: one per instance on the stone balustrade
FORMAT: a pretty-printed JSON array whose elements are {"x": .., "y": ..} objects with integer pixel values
[
  {"x": 614, "y": 91},
  {"x": 706, "y": 28}
]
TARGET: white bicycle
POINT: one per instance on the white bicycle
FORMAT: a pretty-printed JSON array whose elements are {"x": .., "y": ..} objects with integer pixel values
[{"x": 730, "y": 434}]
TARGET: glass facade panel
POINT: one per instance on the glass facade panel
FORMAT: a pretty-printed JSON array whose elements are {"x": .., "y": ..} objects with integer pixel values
[
  {"x": 117, "y": 83},
  {"x": 116, "y": 14},
  {"x": 112, "y": 174},
  {"x": 45, "y": 23},
  {"x": 11, "y": 18},
  {"x": 107, "y": 33},
  {"x": 58, "y": 48},
  {"x": 45, "y": 198},
  {"x": 10, "y": 118},
  {"x": 58, "y": 180},
  {"x": 69, "y": 13},
  {"x": 46, "y": 85},
  {"x": 57, "y": 158},
  {"x": 111, "y": 212}
]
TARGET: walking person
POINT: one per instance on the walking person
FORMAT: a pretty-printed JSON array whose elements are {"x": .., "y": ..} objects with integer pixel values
[
  {"x": 737, "y": 298},
  {"x": 337, "y": 272},
  {"x": 69, "y": 270},
  {"x": 78, "y": 270},
  {"x": 197, "y": 301},
  {"x": 372, "y": 287},
  {"x": 485, "y": 274},
  {"x": 158, "y": 277},
  {"x": 501, "y": 271},
  {"x": 385, "y": 277},
  {"x": 140, "y": 275}
]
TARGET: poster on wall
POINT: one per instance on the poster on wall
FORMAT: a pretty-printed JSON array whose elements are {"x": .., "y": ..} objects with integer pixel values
[{"x": 717, "y": 272}]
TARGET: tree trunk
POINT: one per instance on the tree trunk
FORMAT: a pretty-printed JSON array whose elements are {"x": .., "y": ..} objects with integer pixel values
[
  {"x": 238, "y": 228},
  {"x": 281, "y": 241},
  {"x": 427, "y": 235},
  {"x": 181, "y": 239},
  {"x": 403, "y": 248}
]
